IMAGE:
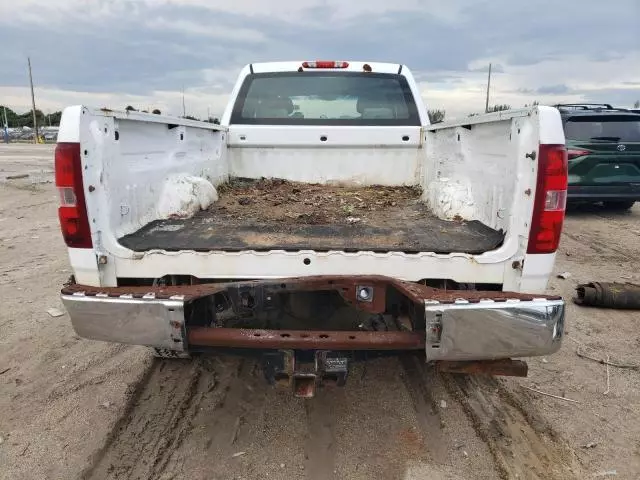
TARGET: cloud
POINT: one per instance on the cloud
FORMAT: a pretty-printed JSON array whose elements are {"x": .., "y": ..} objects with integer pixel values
[
  {"x": 292, "y": 11},
  {"x": 448, "y": 78},
  {"x": 553, "y": 89},
  {"x": 126, "y": 51},
  {"x": 497, "y": 68},
  {"x": 196, "y": 29},
  {"x": 579, "y": 80}
]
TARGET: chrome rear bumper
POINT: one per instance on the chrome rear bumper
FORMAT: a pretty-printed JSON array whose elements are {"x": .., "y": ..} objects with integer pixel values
[
  {"x": 455, "y": 326},
  {"x": 136, "y": 321},
  {"x": 454, "y": 331},
  {"x": 490, "y": 330}
]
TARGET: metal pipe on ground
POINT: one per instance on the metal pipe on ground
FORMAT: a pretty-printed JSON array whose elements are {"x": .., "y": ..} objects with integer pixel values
[{"x": 608, "y": 294}]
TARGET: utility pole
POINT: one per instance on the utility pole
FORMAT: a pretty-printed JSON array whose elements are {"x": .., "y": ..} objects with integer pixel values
[
  {"x": 184, "y": 110},
  {"x": 6, "y": 126},
  {"x": 208, "y": 113},
  {"x": 33, "y": 104},
  {"x": 486, "y": 105}
]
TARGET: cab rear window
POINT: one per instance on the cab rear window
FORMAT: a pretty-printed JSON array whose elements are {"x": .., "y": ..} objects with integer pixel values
[
  {"x": 325, "y": 98},
  {"x": 613, "y": 128}
]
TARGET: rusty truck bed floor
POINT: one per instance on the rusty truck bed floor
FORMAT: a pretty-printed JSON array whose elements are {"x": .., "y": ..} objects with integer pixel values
[{"x": 275, "y": 214}]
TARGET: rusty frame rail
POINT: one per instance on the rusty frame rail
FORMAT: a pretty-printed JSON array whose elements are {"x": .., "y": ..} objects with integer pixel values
[
  {"x": 304, "y": 339},
  {"x": 347, "y": 286}
]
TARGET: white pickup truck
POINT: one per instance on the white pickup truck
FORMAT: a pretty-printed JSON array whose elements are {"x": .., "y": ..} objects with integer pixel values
[{"x": 323, "y": 217}]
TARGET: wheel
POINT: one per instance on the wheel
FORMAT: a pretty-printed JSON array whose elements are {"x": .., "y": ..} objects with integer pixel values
[
  {"x": 166, "y": 353},
  {"x": 619, "y": 205}
]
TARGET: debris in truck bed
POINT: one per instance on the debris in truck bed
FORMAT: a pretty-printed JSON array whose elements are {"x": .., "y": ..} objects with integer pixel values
[
  {"x": 275, "y": 214},
  {"x": 294, "y": 203}
]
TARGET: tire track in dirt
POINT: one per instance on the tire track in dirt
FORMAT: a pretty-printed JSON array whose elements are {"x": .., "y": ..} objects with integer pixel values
[
  {"x": 601, "y": 247},
  {"x": 419, "y": 382},
  {"x": 209, "y": 403},
  {"x": 388, "y": 427},
  {"x": 95, "y": 371},
  {"x": 320, "y": 445},
  {"x": 215, "y": 417},
  {"x": 522, "y": 444},
  {"x": 158, "y": 420},
  {"x": 229, "y": 421}
]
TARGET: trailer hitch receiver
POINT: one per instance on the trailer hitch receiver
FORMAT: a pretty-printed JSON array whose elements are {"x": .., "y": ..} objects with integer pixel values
[{"x": 304, "y": 372}]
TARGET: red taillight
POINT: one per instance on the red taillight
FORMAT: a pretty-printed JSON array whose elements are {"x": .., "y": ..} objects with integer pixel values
[
  {"x": 72, "y": 212},
  {"x": 550, "y": 201},
  {"x": 325, "y": 64},
  {"x": 575, "y": 153}
]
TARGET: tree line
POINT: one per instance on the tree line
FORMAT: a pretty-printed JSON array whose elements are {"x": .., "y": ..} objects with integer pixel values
[
  {"x": 16, "y": 120},
  {"x": 216, "y": 120},
  {"x": 437, "y": 116}
]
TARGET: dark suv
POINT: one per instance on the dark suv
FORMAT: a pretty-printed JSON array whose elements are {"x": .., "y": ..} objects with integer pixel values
[{"x": 603, "y": 144}]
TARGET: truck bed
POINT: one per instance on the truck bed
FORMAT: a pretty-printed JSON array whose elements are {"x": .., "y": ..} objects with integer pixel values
[{"x": 274, "y": 214}]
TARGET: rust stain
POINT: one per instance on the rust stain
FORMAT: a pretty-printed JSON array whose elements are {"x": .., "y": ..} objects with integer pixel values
[{"x": 411, "y": 440}]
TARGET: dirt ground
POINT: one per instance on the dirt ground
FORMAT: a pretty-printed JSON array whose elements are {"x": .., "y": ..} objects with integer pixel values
[{"x": 72, "y": 408}]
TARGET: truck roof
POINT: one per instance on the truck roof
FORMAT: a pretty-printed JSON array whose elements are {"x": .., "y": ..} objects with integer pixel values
[{"x": 353, "y": 66}]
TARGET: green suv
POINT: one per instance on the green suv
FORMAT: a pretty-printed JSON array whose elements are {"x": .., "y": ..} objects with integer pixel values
[{"x": 603, "y": 145}]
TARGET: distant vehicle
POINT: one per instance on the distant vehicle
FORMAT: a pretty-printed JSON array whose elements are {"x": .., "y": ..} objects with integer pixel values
[{"x": 603, "y": 146}]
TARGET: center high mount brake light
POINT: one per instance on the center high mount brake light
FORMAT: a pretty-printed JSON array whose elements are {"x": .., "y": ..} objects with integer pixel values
[{"x": 325, "y": 64}]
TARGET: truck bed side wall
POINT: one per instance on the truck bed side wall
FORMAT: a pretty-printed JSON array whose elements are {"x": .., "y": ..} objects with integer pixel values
[
  {"x": 472, "y": 172},
  {"x": 136, "y": 167},
  {"x": 127, "y": 158}
]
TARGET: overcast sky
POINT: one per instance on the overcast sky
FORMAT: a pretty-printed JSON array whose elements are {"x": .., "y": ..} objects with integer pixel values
[{"x": 142, "y": 52}]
